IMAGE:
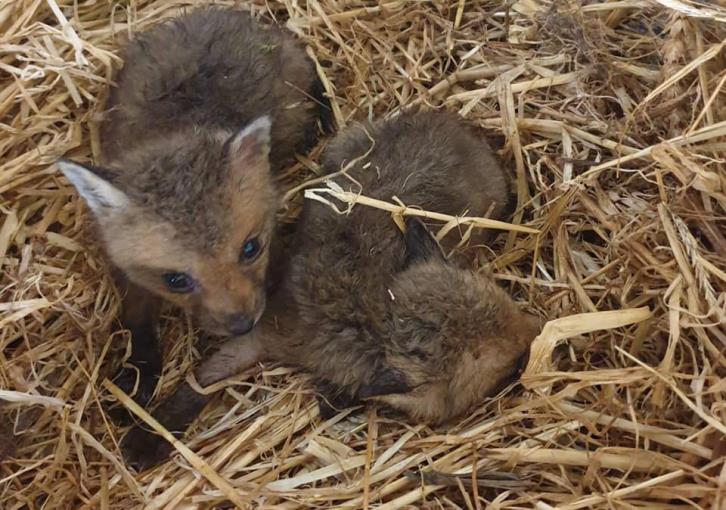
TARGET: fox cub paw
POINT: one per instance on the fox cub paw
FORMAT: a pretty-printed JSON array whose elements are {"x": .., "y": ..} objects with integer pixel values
[
  {"x": 126, "y": 379},
  {"x": 332, "y": 400},
  {"x": 143, "y": 449}
]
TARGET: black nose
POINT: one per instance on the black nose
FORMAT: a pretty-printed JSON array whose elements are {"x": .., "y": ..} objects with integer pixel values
[{"x": 239, "y": 324}]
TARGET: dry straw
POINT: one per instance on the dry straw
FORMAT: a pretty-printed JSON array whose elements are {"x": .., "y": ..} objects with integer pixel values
[{"x": 613, "y": 116}]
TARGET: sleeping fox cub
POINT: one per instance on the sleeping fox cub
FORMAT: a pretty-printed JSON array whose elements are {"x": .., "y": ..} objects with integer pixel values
[{"x": 207, "y": 108}]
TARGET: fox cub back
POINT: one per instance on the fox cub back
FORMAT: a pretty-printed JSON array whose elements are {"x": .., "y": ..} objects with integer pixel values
[{"x": 207, "y": 108}]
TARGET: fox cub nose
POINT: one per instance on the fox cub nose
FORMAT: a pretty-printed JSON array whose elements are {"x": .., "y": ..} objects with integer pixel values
[{"x": 239, "y": 324}]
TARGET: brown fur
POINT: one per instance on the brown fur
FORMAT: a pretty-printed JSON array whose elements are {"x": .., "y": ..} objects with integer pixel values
[
  {"x": 375, "y": 314},
  {"x": 381, "y": 313},
  {"x": 213, "y": 68},
  {"x": 454, "y": 336},
  {"x": 169, "y": 147},
  {"x": 208, "y": 106}
]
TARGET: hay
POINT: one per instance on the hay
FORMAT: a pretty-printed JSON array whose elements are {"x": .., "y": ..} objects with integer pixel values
[{"x": 614, "y": 116}]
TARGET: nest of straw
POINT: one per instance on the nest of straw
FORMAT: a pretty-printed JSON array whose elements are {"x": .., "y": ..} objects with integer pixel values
[{"x": 613, "y": 117}]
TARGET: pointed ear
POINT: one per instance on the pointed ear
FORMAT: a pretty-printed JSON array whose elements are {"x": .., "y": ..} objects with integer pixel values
[
  {"x": 420, "y": 243},
  {"x": 250, "y": 145},
  {"x": 100, "y": 195}
]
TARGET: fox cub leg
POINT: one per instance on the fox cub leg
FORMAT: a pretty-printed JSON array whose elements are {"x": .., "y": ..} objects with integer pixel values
[
  {"x": 381, "y": 380},
  {"x": 143, "y": 448},
  {"x": 140, "y": 315}
]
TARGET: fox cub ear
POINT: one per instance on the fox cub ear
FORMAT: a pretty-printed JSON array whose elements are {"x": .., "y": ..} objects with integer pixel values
[
  {"x": 251, "y": 144},
  {"x": 420, "y": 243},
  {"x": 100, "y": 195}
]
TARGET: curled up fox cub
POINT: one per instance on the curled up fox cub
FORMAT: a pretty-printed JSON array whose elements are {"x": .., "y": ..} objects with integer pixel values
[
  {"x": 207, "y": 108},
  {"x": 376, "y": 314}
]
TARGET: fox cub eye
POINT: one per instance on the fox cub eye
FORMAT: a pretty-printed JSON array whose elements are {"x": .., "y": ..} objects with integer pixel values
[
  {"x": 250, "y": 250},
  {"x": 179, "y": 282}
]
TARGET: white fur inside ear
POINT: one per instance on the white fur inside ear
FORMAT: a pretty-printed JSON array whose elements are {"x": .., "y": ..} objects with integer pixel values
[
  {"x": 99, "y": 194},
  {"x": 255, "y": 136}
]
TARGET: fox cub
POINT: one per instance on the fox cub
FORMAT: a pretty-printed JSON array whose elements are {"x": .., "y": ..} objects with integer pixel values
[
  {"x": 385, "y": 316},
  {"x": 207, "y": 108},
  {"x": 376, "y": 314}
]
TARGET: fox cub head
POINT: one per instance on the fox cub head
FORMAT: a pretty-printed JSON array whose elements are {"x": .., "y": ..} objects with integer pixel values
[
  {"x": 189, "y": 216},
  {"x": 453, "y": 337}
]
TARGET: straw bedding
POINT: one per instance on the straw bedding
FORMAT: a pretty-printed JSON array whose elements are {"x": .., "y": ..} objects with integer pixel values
[{"x": 612, "y": 116}]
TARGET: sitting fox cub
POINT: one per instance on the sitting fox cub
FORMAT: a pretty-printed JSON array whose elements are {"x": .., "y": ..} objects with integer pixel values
[
  {"x": 207, "y": 107},
  {"x": 373, "y": 313}
]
